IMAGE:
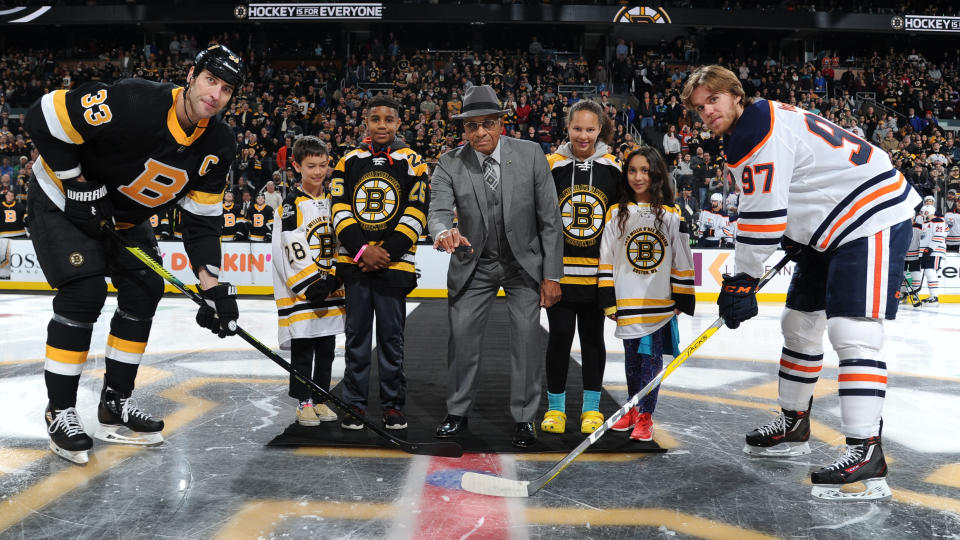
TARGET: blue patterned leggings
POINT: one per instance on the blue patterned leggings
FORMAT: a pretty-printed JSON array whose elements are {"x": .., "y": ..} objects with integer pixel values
[{"x": 642, "y": 368}]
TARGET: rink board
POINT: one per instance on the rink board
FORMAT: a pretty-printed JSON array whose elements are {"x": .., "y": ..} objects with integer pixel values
[{"x": 249, "y": 266}]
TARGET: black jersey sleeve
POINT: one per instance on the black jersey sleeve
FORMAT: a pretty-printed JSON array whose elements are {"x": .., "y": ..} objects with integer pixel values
[
  {"x": 202, "y": 207},
  {"x": 62, "y": 120},
  {"x": 414, "y": 219}
]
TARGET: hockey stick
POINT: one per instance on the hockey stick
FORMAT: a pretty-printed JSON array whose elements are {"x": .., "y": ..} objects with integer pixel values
[
  {"x": 914, "y": 293},
  {"x": 444, "y": 449},
  {"x": 486, "y": 484}
]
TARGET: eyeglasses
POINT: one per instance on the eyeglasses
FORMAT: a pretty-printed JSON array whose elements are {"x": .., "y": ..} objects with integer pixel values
[{"x": 487, "y": 125}]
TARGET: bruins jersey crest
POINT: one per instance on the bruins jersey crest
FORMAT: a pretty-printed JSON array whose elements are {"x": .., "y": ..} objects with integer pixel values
[
  {"x": 376, "y": 200},
  {"x": 582, "y": 212},
  {"x": 646, "y": 248}
]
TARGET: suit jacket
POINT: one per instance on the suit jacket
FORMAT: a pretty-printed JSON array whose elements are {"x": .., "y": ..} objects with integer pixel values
[{"x": 530, "y": 209}]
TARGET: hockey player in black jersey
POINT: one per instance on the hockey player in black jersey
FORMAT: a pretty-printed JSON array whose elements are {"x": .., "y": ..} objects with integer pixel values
[
  {"x": 117, "y": 154},
  {"x": 234, "y": 223},
  {"x": 260, "y": 221},
  {"x": 12, "y": 213}
]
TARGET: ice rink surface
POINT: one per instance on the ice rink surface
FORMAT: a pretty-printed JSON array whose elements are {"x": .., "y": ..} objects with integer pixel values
[{"x": 214, "y": 476}]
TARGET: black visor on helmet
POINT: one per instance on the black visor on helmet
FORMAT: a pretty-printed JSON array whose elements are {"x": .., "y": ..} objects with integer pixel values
[{"x": 221, "y": 62}]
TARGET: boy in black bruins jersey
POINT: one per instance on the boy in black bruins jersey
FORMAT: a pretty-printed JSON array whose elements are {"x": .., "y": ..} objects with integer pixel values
[
  {"x": 586, "y": 176},
  {"x": 379, "y": 211},
  {"x": 120, "y": 153}
]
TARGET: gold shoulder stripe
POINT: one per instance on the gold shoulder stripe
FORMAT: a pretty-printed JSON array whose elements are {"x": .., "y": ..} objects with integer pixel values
[
  {"x": 556, "y": 159},
  {"x": 60, "y": 105}
]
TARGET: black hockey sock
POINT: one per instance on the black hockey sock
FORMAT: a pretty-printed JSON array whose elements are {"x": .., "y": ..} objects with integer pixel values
[
  {"x": 61, "y": 389},
  {"x": 121, "y": 376},
  {"x": 125, "y": 345}
]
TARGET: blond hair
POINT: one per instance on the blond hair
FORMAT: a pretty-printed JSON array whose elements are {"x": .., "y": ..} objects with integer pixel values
[{"x": 716, "y": 79}]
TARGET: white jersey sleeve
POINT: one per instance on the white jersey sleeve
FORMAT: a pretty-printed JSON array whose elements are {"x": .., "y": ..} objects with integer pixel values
[{"x": 952, "y": 219}]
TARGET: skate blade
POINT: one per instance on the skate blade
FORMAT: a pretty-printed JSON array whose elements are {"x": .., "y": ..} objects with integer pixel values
[
  {"x": 876, "y": 490},
  {"x": 111, "y": 434},
  {"x": 80, "y": 457},
  {"x": 780, "y": 450}
]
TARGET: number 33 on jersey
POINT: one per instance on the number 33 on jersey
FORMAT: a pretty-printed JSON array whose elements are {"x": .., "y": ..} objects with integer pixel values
[
  {"x": 126, "y": 136},
  {"x": 837, "y": 186}
]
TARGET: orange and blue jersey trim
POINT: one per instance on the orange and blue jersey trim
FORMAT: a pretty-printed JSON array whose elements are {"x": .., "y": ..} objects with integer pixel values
[
  {"x": 753, "y": 130},
  {"x": 859, "y": 206}
]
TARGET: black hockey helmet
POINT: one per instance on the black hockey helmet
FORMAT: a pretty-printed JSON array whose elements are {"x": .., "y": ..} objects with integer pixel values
[{"x": 222, "y": 63}]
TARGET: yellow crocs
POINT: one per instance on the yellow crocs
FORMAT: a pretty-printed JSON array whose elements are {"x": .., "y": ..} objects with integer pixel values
[
  {"x": 554, "y": 422},
  {"x": 590, "y": 421}
]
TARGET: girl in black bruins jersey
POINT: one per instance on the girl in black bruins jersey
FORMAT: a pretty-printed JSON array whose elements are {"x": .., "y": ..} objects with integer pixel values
[{"x": 586, "y": 176}]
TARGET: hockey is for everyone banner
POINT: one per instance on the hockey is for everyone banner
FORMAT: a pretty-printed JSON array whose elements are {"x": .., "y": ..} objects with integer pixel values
[{"x": 249, "y": 266}]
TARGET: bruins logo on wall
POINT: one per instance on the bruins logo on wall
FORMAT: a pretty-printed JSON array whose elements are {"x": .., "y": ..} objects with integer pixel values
[
  {"x": 642, "y": 15},
  {"x": 646, "y": 249},
  {"x": 582, "y": 214},
  {"x": 376, "y": 200}
]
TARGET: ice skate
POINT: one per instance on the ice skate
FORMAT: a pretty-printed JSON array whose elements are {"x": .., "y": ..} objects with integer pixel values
[
  {"x": 119, "y": 412},
  {"x": 785, "y": 436},
  {"x": 862, "y": 461},
  {"x": 932, "y": 300},
  {"x": 67, "y": 437}
]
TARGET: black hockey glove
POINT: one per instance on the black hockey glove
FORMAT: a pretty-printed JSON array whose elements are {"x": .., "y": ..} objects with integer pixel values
[
  {"x": 319, "y": 290},
  {"x": 220, "y": 313},
  {"x": 87, "y": 205},
  {"x": 738, "y": 299}
]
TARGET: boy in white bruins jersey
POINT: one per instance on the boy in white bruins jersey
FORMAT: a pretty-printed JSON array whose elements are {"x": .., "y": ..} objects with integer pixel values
[
  {"x": 309, "y": 297},
  {"x": 844, "y": 211}
]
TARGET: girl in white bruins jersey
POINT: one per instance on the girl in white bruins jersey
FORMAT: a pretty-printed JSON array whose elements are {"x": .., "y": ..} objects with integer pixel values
[
  {"x": 645, "y": 277},
  {"x": 310, "y": 301}
]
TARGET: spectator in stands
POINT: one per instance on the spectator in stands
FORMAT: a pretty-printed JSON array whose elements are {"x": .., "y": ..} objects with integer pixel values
[
  {"x": 671, "y": 146},
  {"x": 271, "y": 196}
]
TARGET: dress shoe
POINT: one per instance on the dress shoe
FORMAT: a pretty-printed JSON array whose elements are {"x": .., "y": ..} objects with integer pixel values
[
  {"x": 525, "y": 436},
  {"x": 451, "y": 425}
]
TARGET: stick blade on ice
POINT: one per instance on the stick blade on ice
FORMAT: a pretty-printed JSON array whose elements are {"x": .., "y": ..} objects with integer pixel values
[{"x": 487, "y": 484}]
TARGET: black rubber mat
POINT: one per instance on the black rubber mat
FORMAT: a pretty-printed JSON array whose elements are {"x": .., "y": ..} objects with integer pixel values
[{"x": 491, "y": 427}]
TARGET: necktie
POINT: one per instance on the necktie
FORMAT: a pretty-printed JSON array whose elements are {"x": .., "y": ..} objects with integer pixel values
[{"x": 490, "y": 173}]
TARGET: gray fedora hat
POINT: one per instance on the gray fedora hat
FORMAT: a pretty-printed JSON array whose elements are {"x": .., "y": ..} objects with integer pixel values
[{"x": 480, "y": 101}]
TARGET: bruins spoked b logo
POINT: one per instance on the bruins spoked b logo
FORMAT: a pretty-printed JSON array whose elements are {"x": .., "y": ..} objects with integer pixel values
[
  {"x": 376, "y": 200},
  {"x": 646, "y": 248},
  {"x": 320, "y": 236},
  {"x": 582, "y": 214}
]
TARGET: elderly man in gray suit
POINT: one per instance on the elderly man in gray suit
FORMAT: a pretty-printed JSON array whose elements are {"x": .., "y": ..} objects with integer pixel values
[{"x": 508, "y": 235}]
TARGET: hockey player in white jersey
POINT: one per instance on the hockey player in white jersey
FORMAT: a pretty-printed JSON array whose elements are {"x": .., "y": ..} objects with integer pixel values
[
  {"x": 837, "y": 203},
  {"x": 933, "y": 247},
  {"x": 952, "y": 219},
  {"x": 712, "y": 223},
  {"x": 912, "y": 281}
]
